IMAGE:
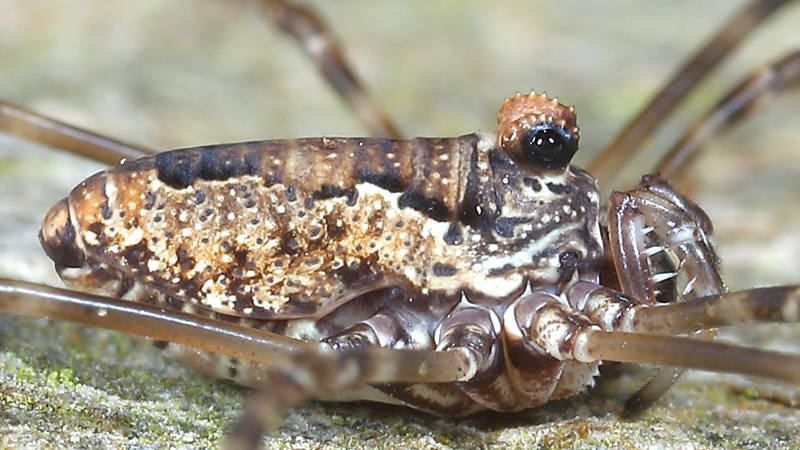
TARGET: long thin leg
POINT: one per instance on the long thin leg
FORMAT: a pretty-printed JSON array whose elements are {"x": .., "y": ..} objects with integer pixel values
[
  {"x": 690, "y": 353},
  {"x": 759, "y": 305},
  {"x": 613, "y": 310},
  {"x": 601, "y": 304},
  {"x": 468, "y": 330},
  {"x": 44, "y": 130},
  {"x": 297, "y": 21},
  {"x": 780, "y": 304},
  {"x": 317, "y": 41},
  {"x": 606, "y": 164},
  {"x": 742, "y": 101},
  {"x": 641, "y": 400},
  {"x": 565, "y": 335},
  {"x": 302, "y": 369},
  {"x": 374, "y": 363},
  {"x": 263, "y": 409}
]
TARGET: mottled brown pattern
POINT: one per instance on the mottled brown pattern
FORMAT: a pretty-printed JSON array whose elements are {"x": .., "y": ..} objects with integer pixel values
[
  {"x": 296, "y": 228},
  {"x": 350, "y": 242}
]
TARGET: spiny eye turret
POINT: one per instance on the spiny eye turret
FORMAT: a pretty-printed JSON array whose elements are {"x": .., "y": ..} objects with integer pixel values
[{"x": 537, "y": 132}]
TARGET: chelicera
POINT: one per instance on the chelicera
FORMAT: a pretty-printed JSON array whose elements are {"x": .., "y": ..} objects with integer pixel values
[{"x": 523, "y": 322}]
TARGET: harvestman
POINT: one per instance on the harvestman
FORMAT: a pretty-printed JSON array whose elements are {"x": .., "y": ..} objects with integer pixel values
[{"x": 520, "y": 324}]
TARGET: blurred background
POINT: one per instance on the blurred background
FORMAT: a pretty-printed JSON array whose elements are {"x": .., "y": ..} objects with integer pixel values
[{"x": 184, "y": 73}]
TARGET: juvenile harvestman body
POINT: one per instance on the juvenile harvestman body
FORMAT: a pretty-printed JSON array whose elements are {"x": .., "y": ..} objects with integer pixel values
[{"x": 486, "y": 253}]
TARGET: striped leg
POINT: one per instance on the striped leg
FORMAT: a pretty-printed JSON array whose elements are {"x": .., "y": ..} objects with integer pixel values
[
  {"x": 44, "y": 130},
  {"x": 612, "y": 327},
  {"x": 304, "y": 369},
  {"x": 319, "y": 44},
  {"x": 299, "y": 22},
  {"x": 645, "y": 332},
  {"x": 605, "y": 166},
  {"x": 742, "y": 101}
]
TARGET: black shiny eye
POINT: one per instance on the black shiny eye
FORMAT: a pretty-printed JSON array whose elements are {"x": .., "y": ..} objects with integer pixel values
[{"x": 548, "y": 146}]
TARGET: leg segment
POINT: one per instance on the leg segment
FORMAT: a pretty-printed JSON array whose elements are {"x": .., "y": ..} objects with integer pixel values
[
  {"x": 44, "y": 130},
  {"x": 302, "y": 369},
  {"x": 375, "y": 364},
  {"x": 614, "y": 311},
  {"x": 605, "y": 165},
  {"x": 738, "y": 104},
  {"x": 690, "y": 353},
  {"x": 566, "y": 335},
  {"x": 475, "y": 328},
  {"x": 540, "y": 335},
  {"x": 760, "y": 305},
  {"x": 317, "y": 41},
  {"x": 645, "y": 330},
  {"x": 264, "y": 409},
  {"x": 399, "y": 324},
  {"x": 295, "y": 20}
]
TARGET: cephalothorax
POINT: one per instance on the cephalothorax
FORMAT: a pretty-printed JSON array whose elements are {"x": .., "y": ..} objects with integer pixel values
[{"x": 451, "y": 275}]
